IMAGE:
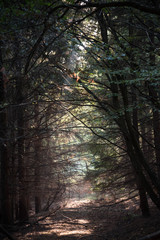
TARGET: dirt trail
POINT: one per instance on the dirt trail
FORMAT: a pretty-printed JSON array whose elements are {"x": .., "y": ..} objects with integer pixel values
[{"x": 93, "y": 220}]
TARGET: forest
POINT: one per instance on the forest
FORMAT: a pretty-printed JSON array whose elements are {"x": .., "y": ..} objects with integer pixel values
[{"x": 79, "y": 119}]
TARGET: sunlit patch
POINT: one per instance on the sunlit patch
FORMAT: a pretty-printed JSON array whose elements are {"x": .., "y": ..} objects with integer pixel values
[
  {"x": 75, "y": 227},
  {"x": 70, "y": 228},
  {"x": 77, "y": 203},
  {"x": 67, "y": 225},
  {"x": 82, "y": 221},
  {"x": 76, "y": 232}
]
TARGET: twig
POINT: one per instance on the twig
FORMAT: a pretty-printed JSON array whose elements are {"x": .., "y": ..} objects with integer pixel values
[
  {"x": 152, "y": 236},
  {"x": 47, "y": 215}
]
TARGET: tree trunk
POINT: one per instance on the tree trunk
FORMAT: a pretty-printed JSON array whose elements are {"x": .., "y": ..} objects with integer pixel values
[
  {"x": 142, "y": 192},
  {"x": 37, "y": 158},
  {"x": 23, "y": 206},
  {"x": 37, "y": 179},
  {"x": 6, "y": 214},
  {"x": 154, "y": 95}
]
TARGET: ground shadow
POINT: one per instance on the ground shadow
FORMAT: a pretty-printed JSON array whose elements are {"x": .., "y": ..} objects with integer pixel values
[{"x": 95, "y": 220}]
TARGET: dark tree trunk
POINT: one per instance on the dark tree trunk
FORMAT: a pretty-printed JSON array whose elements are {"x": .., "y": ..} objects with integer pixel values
[
  {"x": 23, "y": 202},
  {"x": 156, "y": 127},
  {"x": 6, "y": 214},
  {"x": 37, "y": 159},
  {"x": 143, "y": 198},
  {"x": 154, "y": 96},
  {"x": 37, "y": 179},
  {"x": 141, "y": 188}
]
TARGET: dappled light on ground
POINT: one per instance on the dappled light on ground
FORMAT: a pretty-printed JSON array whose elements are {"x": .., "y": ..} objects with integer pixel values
[
  {"x": 69, "y": 226},
  {"x": 94, "y": 220},
  {"x": 77, "y": 202}
]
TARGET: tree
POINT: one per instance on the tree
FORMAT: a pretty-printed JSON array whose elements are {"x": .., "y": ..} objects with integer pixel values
[
  {"x": 5, "y": 205},
  {"x": 31, "y": 91},
  {"x": 124, "y": 76}
]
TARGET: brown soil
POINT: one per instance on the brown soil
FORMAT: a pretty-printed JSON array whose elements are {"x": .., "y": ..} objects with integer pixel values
[{"x": 93, "y": 220}]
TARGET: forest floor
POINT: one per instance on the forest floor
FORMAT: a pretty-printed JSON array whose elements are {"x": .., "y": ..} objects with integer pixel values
[{"x": 93, "y": 220}]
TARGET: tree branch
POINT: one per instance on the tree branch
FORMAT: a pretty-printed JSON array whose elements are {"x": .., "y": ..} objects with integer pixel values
[
  {"x": 134, "y": 5},
  {"x": 152, "y": 236}
]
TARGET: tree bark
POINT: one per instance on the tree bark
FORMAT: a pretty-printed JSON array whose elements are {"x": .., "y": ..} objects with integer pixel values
[
  {"x": 6, "y": 215},
  {"x": 37, "y": 157},
  {"x": 23, "y": 206},
  {"x": 142, "y": 192},
  {"x": 154, "y": 95}
]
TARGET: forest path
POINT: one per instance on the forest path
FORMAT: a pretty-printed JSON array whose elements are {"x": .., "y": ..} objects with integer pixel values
[{"x": 94, "y": 220}]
